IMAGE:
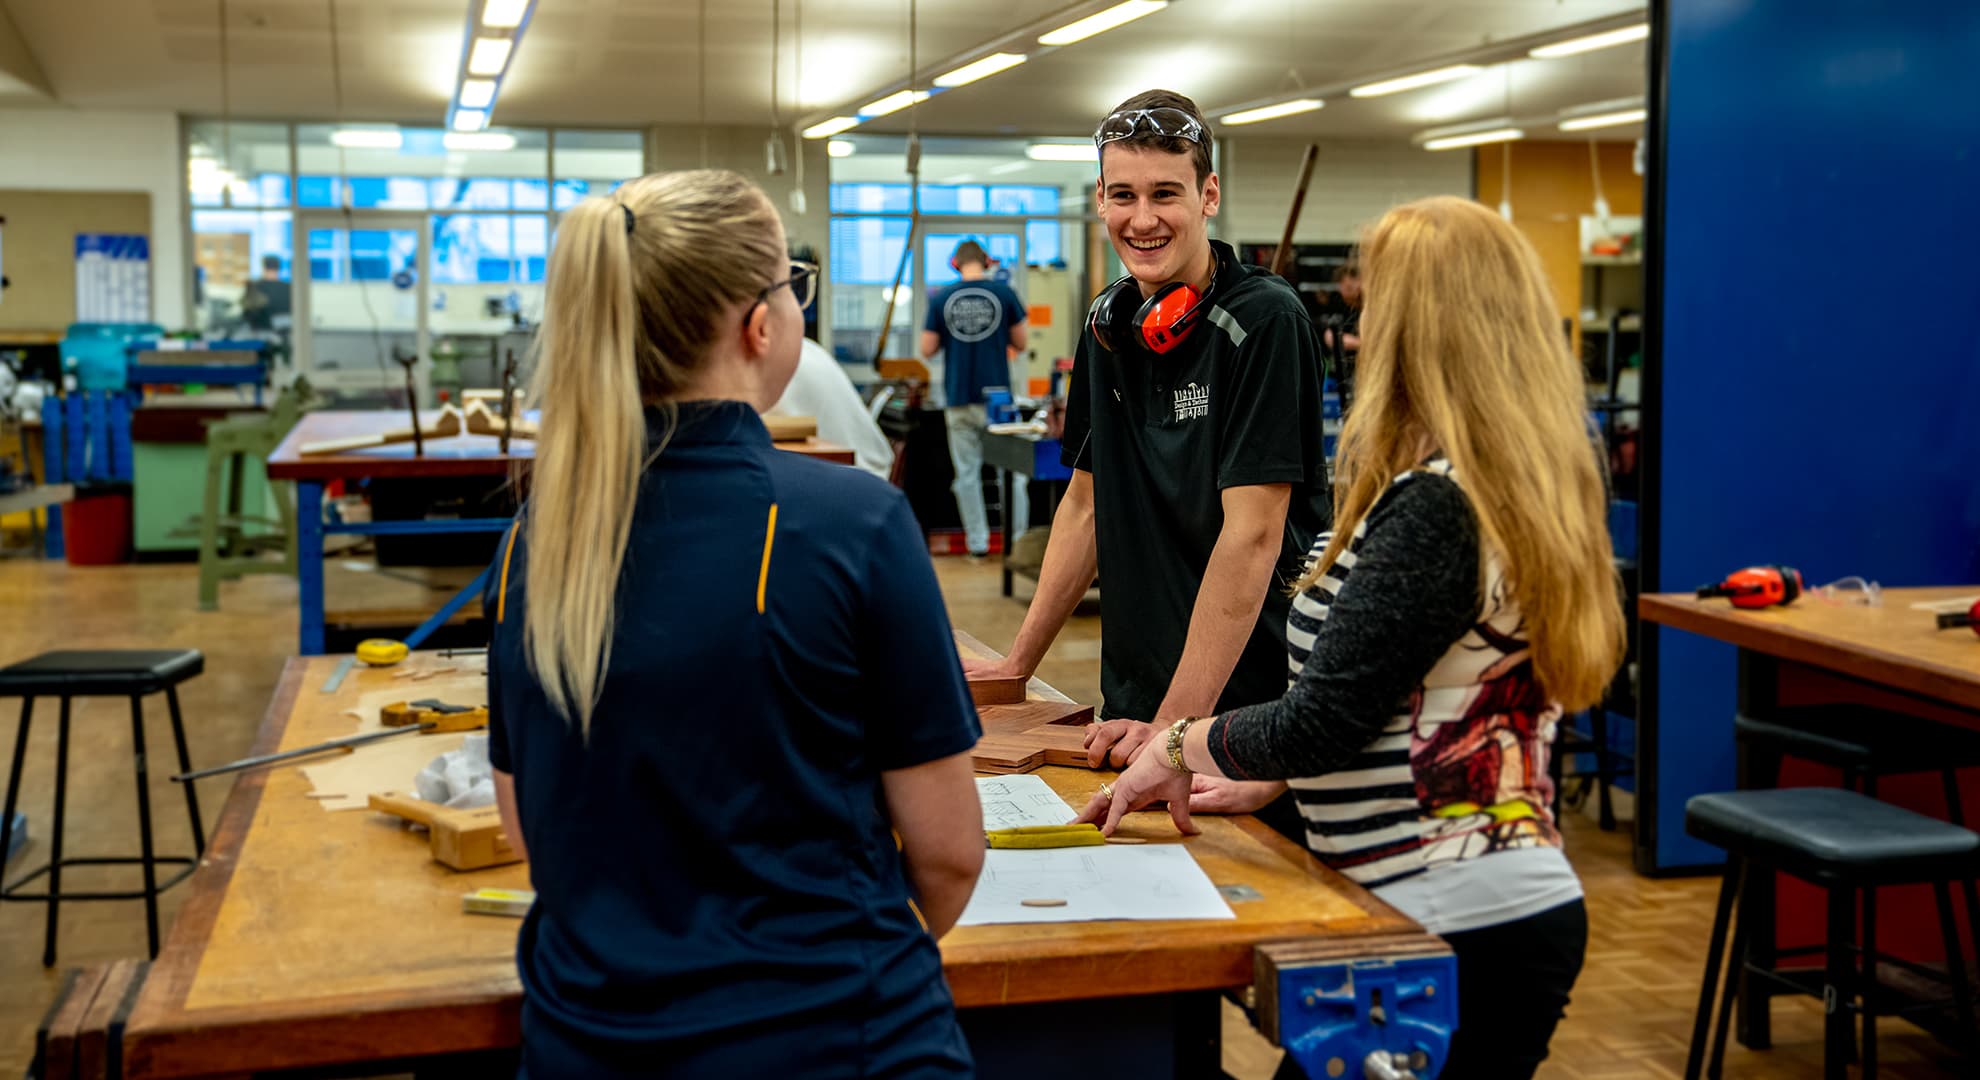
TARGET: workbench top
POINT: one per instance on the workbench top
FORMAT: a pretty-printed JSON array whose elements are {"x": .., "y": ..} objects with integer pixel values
[{"x": 316, "y": 938}]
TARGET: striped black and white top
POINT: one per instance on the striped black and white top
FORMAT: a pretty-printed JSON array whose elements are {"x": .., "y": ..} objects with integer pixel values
[{"x": 1413, "y": 733}]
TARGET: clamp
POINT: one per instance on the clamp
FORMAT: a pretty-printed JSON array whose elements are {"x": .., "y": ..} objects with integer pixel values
[{"x": 1385, "y": 1006}]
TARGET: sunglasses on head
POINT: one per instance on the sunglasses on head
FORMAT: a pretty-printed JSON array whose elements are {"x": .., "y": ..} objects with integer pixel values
[{"x": 1167, "y": 122}]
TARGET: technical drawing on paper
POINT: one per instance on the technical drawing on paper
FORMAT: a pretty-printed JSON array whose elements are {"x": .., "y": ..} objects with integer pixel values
[
  {"x": 1014, "y": 802},
  {"x": 1061, "y": 875},
  {"x": 1156, "y": 881}
]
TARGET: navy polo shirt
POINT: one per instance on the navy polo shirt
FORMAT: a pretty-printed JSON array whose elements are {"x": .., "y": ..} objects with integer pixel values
[
  {"x": 974, "y": 320},
  {"x": 714, "y": 864}
]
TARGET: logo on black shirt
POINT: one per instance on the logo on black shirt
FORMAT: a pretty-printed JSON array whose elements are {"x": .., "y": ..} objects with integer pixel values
[
  {"x": 1192, "y": 401},
  {"x": 972, "y": 314}
]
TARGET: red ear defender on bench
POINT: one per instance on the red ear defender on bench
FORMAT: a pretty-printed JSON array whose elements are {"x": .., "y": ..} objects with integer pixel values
[
  {"x": 1970, "y": 618},
  {"x": 1758, "y": 587}
]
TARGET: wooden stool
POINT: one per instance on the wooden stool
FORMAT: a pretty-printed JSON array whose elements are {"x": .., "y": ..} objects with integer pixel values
[
  {"x": 100, "y": 673},
  {"x": 1843, "y": 842}
]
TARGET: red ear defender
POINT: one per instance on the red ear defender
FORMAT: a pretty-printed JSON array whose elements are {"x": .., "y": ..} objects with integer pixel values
[
  {"x": 1758, "y": 586},
  {"x": 1167, "y": 318}
]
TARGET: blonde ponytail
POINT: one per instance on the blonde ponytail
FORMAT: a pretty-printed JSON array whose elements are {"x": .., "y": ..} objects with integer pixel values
[{"x": 635, "y": 291}]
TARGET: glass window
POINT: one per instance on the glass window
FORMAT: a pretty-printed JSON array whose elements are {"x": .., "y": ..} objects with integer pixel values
[
  {"x": 472, "y": 194},
  {"x": 532, "y": 195},
  {"x": 1042, "y": 243},
  {"x": 1025, "y": 199},
  {"x": 867, "y": 251},
  {"x": 532, "y": 247},
  {"x": 231, "y": 164},
  {"x": 474, "y": 249},
  {"x": 939, "y": 248},
  {"x": 870, "y": 198},
  {"x": 387, "y": 192},
  {"x": 329, "y": 257}
]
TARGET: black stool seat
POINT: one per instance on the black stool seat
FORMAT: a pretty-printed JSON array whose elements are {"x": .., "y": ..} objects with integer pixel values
[
  {"x": 1829, "y": 834},
  {"x": 100, "y": 672},
  {"x": 1863, "y": 738}
]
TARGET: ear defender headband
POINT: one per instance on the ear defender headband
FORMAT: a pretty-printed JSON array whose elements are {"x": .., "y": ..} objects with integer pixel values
[
  {"x": 1121, "y": 319},
  {"x": 988, "y": 262}
]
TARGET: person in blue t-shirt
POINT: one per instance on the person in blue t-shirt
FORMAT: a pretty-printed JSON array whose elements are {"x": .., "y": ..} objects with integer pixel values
[
  {"x": 729, "y": 726},
  {"x": 976, "y": 324}
]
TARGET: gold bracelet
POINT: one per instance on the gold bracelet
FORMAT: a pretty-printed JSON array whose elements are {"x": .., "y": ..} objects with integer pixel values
[{"x": 1177, "y": 731}]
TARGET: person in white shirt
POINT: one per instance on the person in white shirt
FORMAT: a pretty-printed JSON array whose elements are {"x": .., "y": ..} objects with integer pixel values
[{"x": 822, "y": 389}]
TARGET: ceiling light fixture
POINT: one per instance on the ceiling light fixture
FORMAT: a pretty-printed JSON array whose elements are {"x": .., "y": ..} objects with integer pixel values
[
  {"x": 840, "y": 148},
  {"x": 828, "y": 128},
  {"x": 1101, "y": 22},
  {"x": 979, "y": 69},
  {"x": 476, "y": 94},
  {"x": 368, "y": 138},
  {"x": 1475, "y": 138},
  {"x": 478, "y": 140},
  {"x": 470, "y": 119},
  {"x": 1601, "y": 120},
  {"x": 1604, "y": 40},
  {"x": 489, "y": 56},
  {"x": 1273, "y": 112},
  {"x": 504, "y": 14},
  {"x": 1082, "y": 151},
  {"x": 893, "y": 103},
  {"x": 1412, "y": 82}
]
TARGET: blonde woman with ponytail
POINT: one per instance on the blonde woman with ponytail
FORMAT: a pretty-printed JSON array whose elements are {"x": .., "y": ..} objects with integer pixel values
[
  {"x": 721, "y": 684},
  {"x": 1466, "y": 602}
]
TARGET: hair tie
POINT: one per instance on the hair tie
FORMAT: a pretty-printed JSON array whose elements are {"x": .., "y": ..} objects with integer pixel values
[{"x": 629, "y": 217}]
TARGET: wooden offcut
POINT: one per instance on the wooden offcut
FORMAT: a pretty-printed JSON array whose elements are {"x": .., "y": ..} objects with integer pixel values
[
  {"x": 1026, "y": 724},
  {"x": 791, "y": 428},
  {"x": 988, "y": 689},
  {"x": 460, "y": 839}
]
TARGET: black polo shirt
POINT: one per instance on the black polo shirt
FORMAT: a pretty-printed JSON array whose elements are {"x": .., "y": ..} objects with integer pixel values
[{"x": 1236, "y": 404}]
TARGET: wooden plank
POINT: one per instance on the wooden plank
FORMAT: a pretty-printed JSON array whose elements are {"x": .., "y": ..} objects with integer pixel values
[
  {"x": 818, "y": 448},
  {"x": 460, "y": 455},
  {"x": 1890, "y": 645},
  {"x": 96, "y": 1057},
  {"x": 790, "y": 428},
  {"x": 988, "y": 689},
  {"x": 55, "y": 1039},
  {"x": 315, "y": 939}
]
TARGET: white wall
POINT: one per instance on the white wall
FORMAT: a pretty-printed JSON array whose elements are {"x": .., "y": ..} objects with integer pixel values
[
  {"x": 1354, "y": 182},
  {"x": 57, "y": 149}
]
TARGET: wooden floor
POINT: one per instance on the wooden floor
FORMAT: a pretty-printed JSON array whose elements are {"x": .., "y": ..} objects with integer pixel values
[{"x": 1630, "y": 1016}]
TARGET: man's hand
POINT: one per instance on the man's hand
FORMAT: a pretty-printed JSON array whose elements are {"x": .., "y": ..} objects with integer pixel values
[
  {"x": 992, "y": 669},
  {"x": 1216, "y": 795},
  {"x": 1146, "y": 782},
  {"x": 1116, "y": 742}
]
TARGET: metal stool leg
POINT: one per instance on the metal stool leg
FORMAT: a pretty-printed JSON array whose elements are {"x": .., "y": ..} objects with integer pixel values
[
  {"x": 55, "y": 834},
  {"x": 144, "y": 825},
  {"x": 1728, "y": 892},
  {"x": 1867, "y": 989},
  {"x": 1839, "y": 1040},
  {"x": 14, "y": 785},
  {"x": 185, "y": 766},
  {"x": 1956, "y": 813},
  {"x": 1735, "y": 965},
  {"x": 1956, "y": 970}
]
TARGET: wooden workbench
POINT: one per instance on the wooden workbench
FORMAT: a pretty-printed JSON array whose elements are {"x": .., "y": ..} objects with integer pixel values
[{"x": 312, "y": 938}]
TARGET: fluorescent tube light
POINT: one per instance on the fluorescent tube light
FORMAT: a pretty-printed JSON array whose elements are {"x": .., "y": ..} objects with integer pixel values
[
  {"x": 980, "y": 69},
  {"x": 1476, "y": 138},
  {"x": 1273, "y": 112},
  {"x": 840, "y": 148},
  {"x": 368, "y": 138},
  {"x": 1055, "y": 151},
  {"x": 829, "y": 128},
  {"x": 1412, "y": 82},
  {"x": 1583, "y": 123},
  {"x": 892, "y": 103},
  {"x": 477, "y": 93},
  {"x": 1592, "y": 42},
  {"x": 470, "y": 119},
  {"x": 490, "y": 56},
  {"x": 479, "y": 140},
  {"x": 1101, "y": 22},
  {"x": 504, "y": 14}
]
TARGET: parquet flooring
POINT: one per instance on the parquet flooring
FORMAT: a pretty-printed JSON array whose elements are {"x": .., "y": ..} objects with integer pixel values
[{"x": 1630, "y": 1016}]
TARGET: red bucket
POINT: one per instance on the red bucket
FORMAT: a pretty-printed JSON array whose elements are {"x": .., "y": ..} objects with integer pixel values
[{"x": 96, "y": 529}]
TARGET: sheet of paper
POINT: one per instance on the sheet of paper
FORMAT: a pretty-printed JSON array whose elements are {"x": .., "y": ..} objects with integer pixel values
[
  {"x": 1013, "y": 802},
  {"x": 1152, "y": 881}
]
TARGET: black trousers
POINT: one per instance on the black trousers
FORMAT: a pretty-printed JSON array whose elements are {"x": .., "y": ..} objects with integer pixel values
[{"x": 1513, "y": 983}]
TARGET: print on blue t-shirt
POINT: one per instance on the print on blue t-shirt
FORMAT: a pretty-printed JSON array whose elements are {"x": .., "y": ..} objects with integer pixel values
[{"x": 974, "y": 320}]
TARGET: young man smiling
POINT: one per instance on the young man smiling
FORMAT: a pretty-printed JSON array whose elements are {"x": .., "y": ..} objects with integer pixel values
[{"x": 1193, "y": 427}]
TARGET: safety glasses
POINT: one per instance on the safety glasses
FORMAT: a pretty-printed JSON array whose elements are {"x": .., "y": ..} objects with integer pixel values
[
  {"x": 1165, "y": 122},
  {"x": 803, "y": 282}
]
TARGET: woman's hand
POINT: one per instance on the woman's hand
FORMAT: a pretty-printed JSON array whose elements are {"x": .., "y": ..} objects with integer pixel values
[
  {"x": 1116, "y": 742},
  {"x": 1147, "y": 781},
  {"x": 1216, "y": 795}
]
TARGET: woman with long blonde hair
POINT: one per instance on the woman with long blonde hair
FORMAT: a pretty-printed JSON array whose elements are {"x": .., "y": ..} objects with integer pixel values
[
  {"x": 720, "y": 682},
  {"x": 1466, "y": 601}
]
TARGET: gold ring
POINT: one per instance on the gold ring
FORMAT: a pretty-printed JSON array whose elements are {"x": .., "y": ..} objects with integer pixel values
[{"x": 1107, "y": 791}]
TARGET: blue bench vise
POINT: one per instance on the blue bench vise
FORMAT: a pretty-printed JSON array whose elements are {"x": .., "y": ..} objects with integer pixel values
[{"x": 1381, "y": 1008}]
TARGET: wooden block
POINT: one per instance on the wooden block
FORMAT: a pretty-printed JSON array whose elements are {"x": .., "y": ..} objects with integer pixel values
[
  {"x": 987, "y": 690},
  {"x": 1001, "y": 754},
  {"x": 791, "y": 428},
  {"x": 1022, "y": 737},
  {"x": 99, "y": 1042},
  {"x": 459, "y": 839},
  {"x": 55, "y": 1039}
]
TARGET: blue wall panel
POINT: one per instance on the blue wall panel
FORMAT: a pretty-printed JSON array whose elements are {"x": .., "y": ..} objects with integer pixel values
[{"x": 1820, "y": 323}]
